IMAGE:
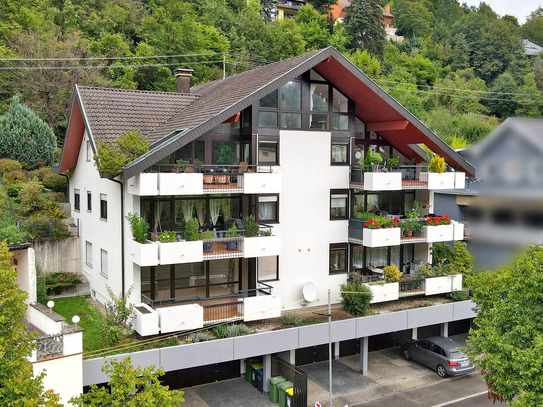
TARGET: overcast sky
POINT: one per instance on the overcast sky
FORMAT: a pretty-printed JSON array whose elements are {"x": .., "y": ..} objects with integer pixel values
[{"x": 519, "y": 8}]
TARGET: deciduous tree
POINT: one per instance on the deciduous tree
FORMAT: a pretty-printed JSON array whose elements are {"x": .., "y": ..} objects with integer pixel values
[{"x": 364, "y": 24}]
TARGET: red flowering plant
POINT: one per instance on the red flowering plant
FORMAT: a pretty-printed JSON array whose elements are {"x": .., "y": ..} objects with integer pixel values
[
  {"x": 396, "y": 223},
  {"x": 438, "y": 220},
  {"x": 373, "y": 224}
]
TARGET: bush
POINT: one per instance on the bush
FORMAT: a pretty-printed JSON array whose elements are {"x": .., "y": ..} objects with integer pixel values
[
  {"x": 55, "y": 182},
  {"x": 31, "y": 198},
  {"x": 437, "y": 164},
  {"x": 14, "y": 177},
  {"x": 7, "y": 165},
  {"x": 220, "y": 331},
  {"x": 12, "y": 234},
  {"x": 291, "y": 319},
  {"x": 237, "y": 330},
  {"x": 111, "y": 157},
  {"x": 462, "y": 260},
  {"x": 442, "y": 252},
  {"x": 41, "y": 288},
  {"x": 192, "y": 230},
  {"x": 392, "y": 274},
  {"x": 14, "y": 189},
  {"x": 139, "y": 227},
  {"x": 61, "y": 279},
  {"x": 198, "y": 337},
  {"x": 114, "y": 326},
  {"x": 251, "y": 227},
  {"x": 356, "y": 298},
  {"x": 167, "y": 237},
  {"x": 461, "y": 295},
  {"x": 41, "y": 173}
]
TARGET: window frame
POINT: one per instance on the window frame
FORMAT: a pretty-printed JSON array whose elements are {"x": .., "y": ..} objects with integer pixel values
[
  {"x": 103, "y": 206},
  {"x": 77, "y": 200},
  {"x": 88, "y": 253},
  {"x": 89, "y": 151},
  {"x": 348, "y": 156},
  {"x": 339, "y": 247},
  {"x": 276, "y": 142},
  {"x": 257, "y": 214},
  {"x": 89, "y": 201},
  {"x": 340, "y": 192},
  {"x": 276, "y": 271},
  {"x": 106, "y": 273}
]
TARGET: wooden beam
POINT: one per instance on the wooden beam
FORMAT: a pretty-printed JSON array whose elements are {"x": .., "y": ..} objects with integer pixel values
[
  {"x": 387, "y": 126},
  {"x": 232, "y": 119}
]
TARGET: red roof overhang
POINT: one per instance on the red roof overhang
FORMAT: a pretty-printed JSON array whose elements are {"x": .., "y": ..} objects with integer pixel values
[{"x": 74, "y": 137}]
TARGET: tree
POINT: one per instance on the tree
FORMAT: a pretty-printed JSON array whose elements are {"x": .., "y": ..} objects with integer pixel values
[
  {"x": 505, "y": 83},
  {"x": 19, "y": 386},
  {"x": 508, "y": 344},
  {"x": 267, "y": 10},
  {"x": 532, "y": 29},
  {"x": 363, "y": 23},
  {"x": 132, "y": 387},
  {"x": 366, "y": 63},
  {"x": 529, "y": 106},
  {"x": 313, "y": 27},
  {"x": 322, "y": 6},
  {"x": 24, "y": 136},
  {"x": 412, "y": 17}
]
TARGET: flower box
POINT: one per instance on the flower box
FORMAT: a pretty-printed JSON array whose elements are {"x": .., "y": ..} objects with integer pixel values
[
  {"x": 180, "y": 318},
  {"x": 261, "y": 246},
  {"x": 143, "y": 254},
  {"x": 381, "y": 237},
  {"x": 384, "y": 292},
  {"x": 459, "y": 180},
  {"x": 146, "y": 320},
  {"x": 440, "y": 233},
  {"x": 143, "y": 184},
  {"x": 181, "y": 252},
  {"x": 458, "y": 231},
  {"x": 435, "y": 180},
  {"x": 261, "y": 307},
  {"x": 438, "y": 285},
  {"x": 382, "y": 181}
]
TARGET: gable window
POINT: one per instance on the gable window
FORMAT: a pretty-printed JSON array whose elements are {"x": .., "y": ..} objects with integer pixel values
[
  {"x": 88, "y": 253},
  {"x": 282, "y": 108},
  {"x": 89, "y": 150},
  {"x": 268, "y": 152},
  {"x": 103, "y": 206},
  {"x": 268, "y": 210},
  {"x": 338, "y": 204},
  {"x": 89, "y": 201},
  {"x": 77, "y": 200},
  {"x": 340, "y": 153},
  {"x": 103, "y": 263},
  {"x": 338, "y": 258},
  {"x": 268, "y": 268}
]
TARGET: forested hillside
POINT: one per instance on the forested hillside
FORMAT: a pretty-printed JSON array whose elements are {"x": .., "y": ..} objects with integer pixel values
[{"x": 461, "y": 70}]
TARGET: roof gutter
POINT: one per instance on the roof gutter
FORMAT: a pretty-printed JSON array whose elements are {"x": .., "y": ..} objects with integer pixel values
[{"x": 122, "y": 235}]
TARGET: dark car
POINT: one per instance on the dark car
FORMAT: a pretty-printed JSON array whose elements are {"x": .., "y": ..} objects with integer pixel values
[{"x": 439, "y": 353}]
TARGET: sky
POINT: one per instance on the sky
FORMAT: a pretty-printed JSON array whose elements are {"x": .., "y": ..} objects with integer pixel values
[{"x": 519, "y": 8}]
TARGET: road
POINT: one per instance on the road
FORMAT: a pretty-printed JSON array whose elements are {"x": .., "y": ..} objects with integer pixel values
[{"x": 463, "y": 391}]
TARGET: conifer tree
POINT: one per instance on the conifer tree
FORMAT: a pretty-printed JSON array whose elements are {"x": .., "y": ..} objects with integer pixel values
[{"x": 363, "y": 23}]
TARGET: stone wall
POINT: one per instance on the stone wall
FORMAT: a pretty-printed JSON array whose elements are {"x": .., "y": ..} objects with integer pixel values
[{"x": 58, "y": 255}]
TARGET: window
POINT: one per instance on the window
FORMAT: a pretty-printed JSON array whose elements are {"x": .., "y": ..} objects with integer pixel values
[
  {"x": 103, "y": 262},
  {"x": 319, "y": 97},
  {"x": 291, "y": 96},
  {"x": 89, "y": 150},
  {"x": 88, "y": 253},
  {"x": 89, "y": 201},
  {"x": 269, "y": 101},
  {"x": 268, "y": 208},
  {"x": 103, "y": 206},
  {"x": 267, "y": 119},
  {"x": 267, "y": 152},
  {"x": 338, "y": 203},
  {"x": 268, "y": 268},
  {"x": 338, "y": 258},
  {"x": 291, "y": 120},
  {"x": 318, "y": 121},
  {"x": 77, "y": 200},
  {"x": 340, "y": 153}
]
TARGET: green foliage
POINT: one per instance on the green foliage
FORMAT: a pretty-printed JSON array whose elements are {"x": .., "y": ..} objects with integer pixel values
[
  {"x": 14, "y": 177},
  {"x": 376, "y": 159},
  {"x": 437, "y": 164},
  {"x": 237, "y": 330},
  {"x": 363, "y": 24},
  {"x": 19, "y": 386},
  {"x": 111, "y": 157},
  {"x": 192, "y": 230},
  {"x": 508, "y": 344},
  {"x": 115, "y": 325},
  {"x": 7, "y": 165},
  {"x": 532, "y": 29},
  {"x": 392, "y": 274},
  {"x": 367, "y": 63},
  {"x": 199, "y": 337},
  {"x": 24, "y": 136},
  {"x": 232, "y": 232},
  {"x": 11, "y": 234},
  {"x": 41, "y": 289},
  {"x": 220, "y": 331},
  {"x": 442, "y": 252},
  {"x": 129, "y": 386},
  {"x": 462, "y": 260},
  {"x": 251, "y": 226},
  {"x": 415, "y": 212},
  {"x": 413, "y": 17},
  {"x": 293, "y": 319},
  {"x": 167, "y": 236},
  {"x": 393, "y": 162},
  {"x": 139, "y": 227},
  {"x": 55, "y": 182},
  {"x": 460, "y": 295},
  {"x": 31, "y": 198},
  {"x": 356, "y": 298},
  {"x": 61, "y": 279},
  {"x": 206, "y": 235}
]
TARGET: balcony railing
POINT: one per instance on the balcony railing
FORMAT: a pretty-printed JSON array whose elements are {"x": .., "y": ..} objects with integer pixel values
[{"x": 49, "y": 346}]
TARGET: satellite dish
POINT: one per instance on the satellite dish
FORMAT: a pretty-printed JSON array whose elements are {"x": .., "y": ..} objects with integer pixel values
[{"x": 309, "y": 291}]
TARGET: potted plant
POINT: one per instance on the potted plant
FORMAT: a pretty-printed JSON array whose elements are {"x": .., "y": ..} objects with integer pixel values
[
  {"x": 251, "y": 226},
  {"x": 436, "y": 177},
  {"x": 393, "y": 162},
  {"x": 407, "y": 229},
  {"x": 139, "y": 227},
  {"x": 437, "y": 164},
  {"x": 192, "y": 230},
  {"x": 167, "y": 237},
  {"x": 207, "y": 235},
  {"x": 232, "y": 232},
  {"x": 376, "y": 159}
]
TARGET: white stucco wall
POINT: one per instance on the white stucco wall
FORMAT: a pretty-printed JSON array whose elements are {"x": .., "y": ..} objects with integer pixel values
[
  {"x": 64, "y": 375},
  {"x": 25, "y": 264}
]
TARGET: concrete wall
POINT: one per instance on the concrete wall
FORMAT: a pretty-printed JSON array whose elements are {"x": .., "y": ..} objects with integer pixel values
[
  {"x": 24, "y": 262},
  {"x": 223, "y": 350},
  {"x": 58, "y": 255}
]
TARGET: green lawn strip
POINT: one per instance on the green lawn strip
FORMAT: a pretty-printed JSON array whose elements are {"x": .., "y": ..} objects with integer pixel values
[{"x": 68, "y": 307}]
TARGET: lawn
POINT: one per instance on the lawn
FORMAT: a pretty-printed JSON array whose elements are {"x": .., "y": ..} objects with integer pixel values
[{"x": 68, "y": 307}]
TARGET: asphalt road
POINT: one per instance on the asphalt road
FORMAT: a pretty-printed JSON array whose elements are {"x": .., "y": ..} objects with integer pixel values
[{"x": 463, "y": 391}]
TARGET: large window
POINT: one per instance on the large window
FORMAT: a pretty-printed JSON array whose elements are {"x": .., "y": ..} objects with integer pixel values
[
  {"x": 338, "y": 258},
  {"x": 268, "y": 268},
  {"x": 268, "y": 152},
  {"x": 88, "y": 253},
  {"x": 282, "y": 108},
  {"x": 103, "y": 206},
  {"x": 77, "y": 200},
  {"x": 338, "y": 203},
  {"x": 340, "y": 153},
  {"x": 268, "y": 211}
]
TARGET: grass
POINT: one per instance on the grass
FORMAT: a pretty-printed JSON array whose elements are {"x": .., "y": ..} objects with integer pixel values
[{"x": 68, "y": 307}]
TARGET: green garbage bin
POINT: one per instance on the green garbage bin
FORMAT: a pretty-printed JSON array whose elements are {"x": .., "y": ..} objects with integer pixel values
[
  {"x": 282, "y": 394},
  {"x": 290, "y": 396},
  {"x": 248, "y": 368},
  {"x": 254, "y": 374},
  {"x": 274, "y": 390}
]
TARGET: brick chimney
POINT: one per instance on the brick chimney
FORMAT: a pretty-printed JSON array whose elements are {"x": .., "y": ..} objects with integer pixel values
[
  {"x": 387, "y": 9},
  {"x": 182, "y": 77}
]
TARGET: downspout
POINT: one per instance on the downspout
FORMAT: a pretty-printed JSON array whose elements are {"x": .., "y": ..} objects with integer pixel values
[{"x": 122, "y": 234}]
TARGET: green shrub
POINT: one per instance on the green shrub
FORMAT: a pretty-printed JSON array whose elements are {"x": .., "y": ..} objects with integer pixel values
[
  {"x": 7, "y": 165},
  {"x": 251, "y": 226},
  {"x": 14, "y": 189},
  {"x": 237, "y": 330},
  {"x": 232, "y": 232},
  {"x": 139, "y": 227},
  {"x": 442, "y": 253},
  {"x": 12, "y": 234},
  {"x": 167, "y": 237},
  {"x": 220, "y": 331},
  {"x": 437, "y": 164},
  {"x": 356, "y": 298},
  {"x": 55, "y": 182},
  {"x": 461, "y": 295},
  {"x": 61, "y": 279},
  {"x": 206, "y": 235},
  {"x": 14, "y": 177},
  {"x": 290, "y": 319},
  {"x": 392, "y": 274},
  {"x": 198, "y": 337},
  {"x": 192, "y": 228},
  {"x": 462, "y": 260},
  {"x": 393, "y": 162},
  {"x": 31, "y": 198},
  {"x": 41, "y": 173},
  {"x": 41, "y": 288},
  {"x": 112, "y": 156}
]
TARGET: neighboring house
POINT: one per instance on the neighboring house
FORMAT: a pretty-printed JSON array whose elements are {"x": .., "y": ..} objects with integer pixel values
[
  {"x": 531, "y": 49},
  {"x": 288, "y": 8},
  {"x": 281, "y": 142},
  {"x": 502, "y": 211}
]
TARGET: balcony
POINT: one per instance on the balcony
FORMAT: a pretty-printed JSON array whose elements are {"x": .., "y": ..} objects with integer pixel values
[
  {"x": 222, "y": 244},
  {"x": 405, "y": 177},
  {"x": 168, "y": 180}
]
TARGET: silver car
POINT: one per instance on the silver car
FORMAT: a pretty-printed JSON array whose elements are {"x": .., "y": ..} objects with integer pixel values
[{"x": 439, "y": 353}]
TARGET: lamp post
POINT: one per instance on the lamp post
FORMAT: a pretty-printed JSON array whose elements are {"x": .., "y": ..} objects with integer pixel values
[{"x": 50, "y": 304}]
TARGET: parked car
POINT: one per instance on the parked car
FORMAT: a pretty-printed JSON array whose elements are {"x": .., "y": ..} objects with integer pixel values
[{"x": 439, "y": 353}]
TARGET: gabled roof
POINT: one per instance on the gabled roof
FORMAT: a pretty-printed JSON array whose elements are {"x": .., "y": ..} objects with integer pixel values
[
  {"x": 171, "y": 120},
  {"x": 531, "y": 48}
]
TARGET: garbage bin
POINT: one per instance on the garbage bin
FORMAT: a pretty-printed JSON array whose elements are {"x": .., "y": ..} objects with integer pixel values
[
  {"x": 282, "y": 395},
  {"x": 290, "y": 397},
  {"x": 274, "y": 389},
  {"x": 254, "y": 368},
  {"x": 248, "y": 368},
  {"x": 259, "y": 381}
]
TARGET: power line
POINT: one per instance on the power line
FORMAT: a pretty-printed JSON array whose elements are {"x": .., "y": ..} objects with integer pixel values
[{"x": 109, "y": 58}]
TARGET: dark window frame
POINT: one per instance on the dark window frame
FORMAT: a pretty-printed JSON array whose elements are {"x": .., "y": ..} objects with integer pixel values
[
  {"x": 89, "y": 201},
  {"x": 276, "y": 272},
  {"x": 77, "y": 200},
  {"x": 343, "y": 143},
  {"x": 339, "y": 192},
  {"x": 339, "y": 247},
  {"x": 103, "y": 207},
  {"x": 269, "y": 141},
  {"x": 257, "y": 215}
]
